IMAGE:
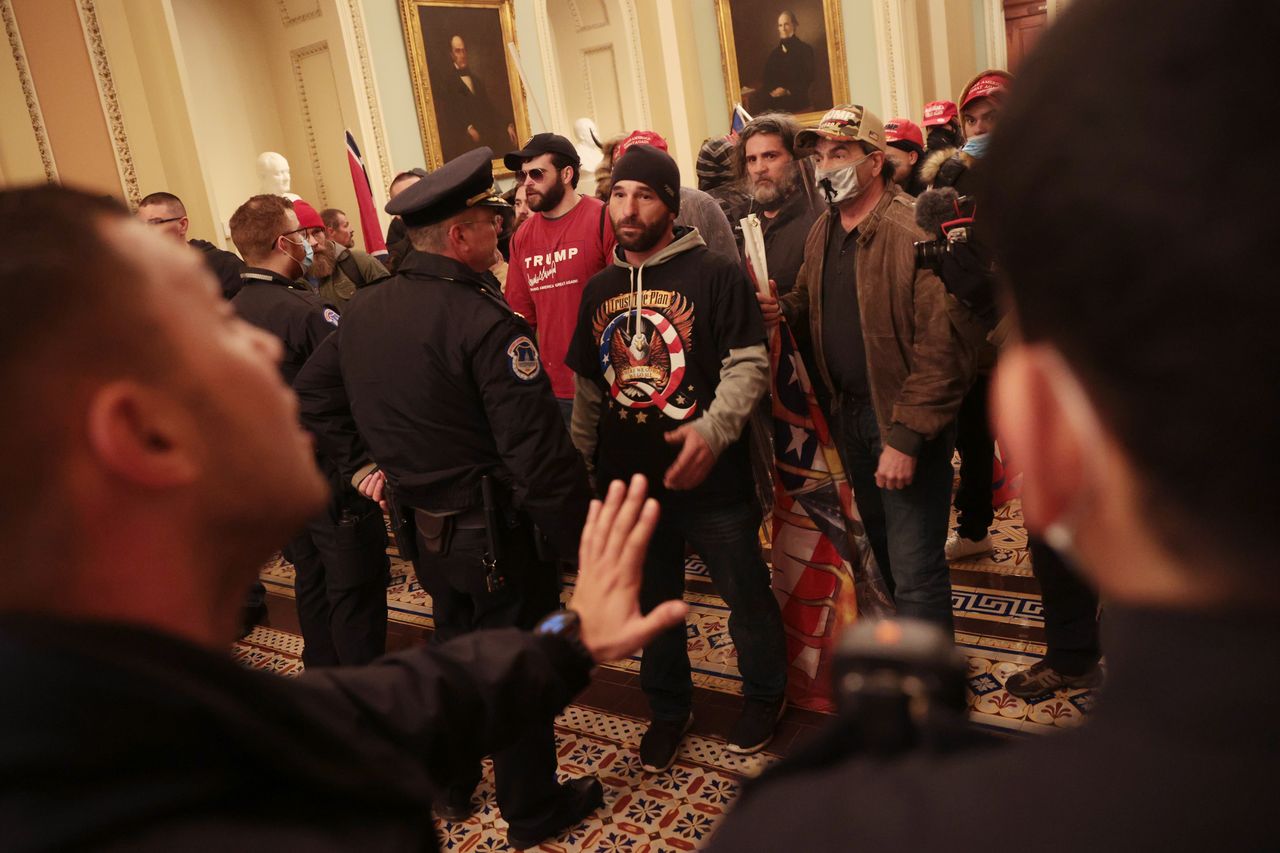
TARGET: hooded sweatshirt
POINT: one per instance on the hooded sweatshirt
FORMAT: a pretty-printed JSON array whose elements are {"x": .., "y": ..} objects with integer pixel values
[{"x": 677, "y": 340}]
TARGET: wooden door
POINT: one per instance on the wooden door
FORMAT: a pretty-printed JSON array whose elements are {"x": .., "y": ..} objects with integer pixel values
[{"x": 1024, "y": 22}]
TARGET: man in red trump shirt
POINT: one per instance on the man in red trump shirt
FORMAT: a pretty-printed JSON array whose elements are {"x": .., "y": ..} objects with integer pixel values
[{"x": 566, "y": 240}]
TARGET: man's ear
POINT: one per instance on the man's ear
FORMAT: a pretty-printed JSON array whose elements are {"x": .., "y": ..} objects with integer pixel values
[
  {"x": 142, "y": 436},
  {"x": 1039, "y": 433}
]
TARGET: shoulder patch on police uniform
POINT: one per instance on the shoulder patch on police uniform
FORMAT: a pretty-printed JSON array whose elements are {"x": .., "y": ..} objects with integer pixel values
[
  {"x": 523, "y": 359},
  {"x": 331, "y": 316}
]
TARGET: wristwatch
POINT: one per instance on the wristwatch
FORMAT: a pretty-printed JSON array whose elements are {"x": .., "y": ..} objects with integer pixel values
[{"x": 567, "y": 625}]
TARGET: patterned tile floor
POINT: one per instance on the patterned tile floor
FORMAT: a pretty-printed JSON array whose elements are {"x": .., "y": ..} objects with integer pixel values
[
  {"x": 994, "y": 598},
  {"x": 674, "y": 810},
  {"x": 1000, "y": 628}
]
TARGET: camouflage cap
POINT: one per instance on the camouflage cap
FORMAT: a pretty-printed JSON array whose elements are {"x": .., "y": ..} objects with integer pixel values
[{"x": 846, "y": 123}]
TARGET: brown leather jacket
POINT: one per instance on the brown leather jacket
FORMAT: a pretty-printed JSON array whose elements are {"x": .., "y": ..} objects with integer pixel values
[{"x": 919, "y": 366}]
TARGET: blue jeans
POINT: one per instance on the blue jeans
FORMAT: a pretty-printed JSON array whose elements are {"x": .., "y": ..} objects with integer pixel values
[
  {"x": 725, "y": 536},
  {"x": 907, "y": 527}
]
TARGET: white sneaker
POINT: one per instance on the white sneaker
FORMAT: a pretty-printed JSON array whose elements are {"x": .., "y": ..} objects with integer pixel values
[{"x": 960, "y": 548}]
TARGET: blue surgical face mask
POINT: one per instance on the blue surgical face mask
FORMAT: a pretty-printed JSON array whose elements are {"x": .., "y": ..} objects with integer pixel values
[
  {"x": 976, "y": 146},
  {"x": 308, "y": 255}
]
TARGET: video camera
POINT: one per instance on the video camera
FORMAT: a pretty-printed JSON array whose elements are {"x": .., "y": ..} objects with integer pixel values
[{"x": 950, "y": 216}]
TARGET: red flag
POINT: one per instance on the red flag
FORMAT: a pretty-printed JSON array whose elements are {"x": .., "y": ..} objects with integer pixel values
[{"x": 370, "y": 227}]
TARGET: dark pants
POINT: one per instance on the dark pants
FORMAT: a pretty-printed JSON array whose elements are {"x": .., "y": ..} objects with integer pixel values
[
  {"x": 726, "y": 537},
  {"x": 977, "y": 450},
  {"x": 1070, "y": 612},
  {"x": 566, "y": 412},
  {"x": 341, "y": 584},
  {"x": 907, "y": 528},
  {"x": 525, "y": 772}
]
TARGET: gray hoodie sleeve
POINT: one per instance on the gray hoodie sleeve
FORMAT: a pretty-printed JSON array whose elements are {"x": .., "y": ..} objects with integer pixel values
[
  {"x": 583, "y": 429},
  {"x": 744, "y": 379}
]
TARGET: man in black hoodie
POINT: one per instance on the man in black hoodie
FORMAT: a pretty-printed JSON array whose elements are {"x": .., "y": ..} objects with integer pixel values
[
  {"x": 166, "y": 212},
  {"x": 670, "y": 359}
]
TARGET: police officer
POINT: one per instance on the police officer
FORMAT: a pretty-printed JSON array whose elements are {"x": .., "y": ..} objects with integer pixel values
[
  {"x": 340, "y": 557},
  {"x": 448, "y": 392}
]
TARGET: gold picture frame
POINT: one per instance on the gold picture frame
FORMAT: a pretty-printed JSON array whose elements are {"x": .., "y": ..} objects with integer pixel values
[
  {"x": 448, "y": 120},
  {"x": 832, "y": 86}
]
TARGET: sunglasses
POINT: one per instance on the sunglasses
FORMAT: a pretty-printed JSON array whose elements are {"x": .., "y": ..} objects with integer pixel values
[{"x": 536, "y": 173}]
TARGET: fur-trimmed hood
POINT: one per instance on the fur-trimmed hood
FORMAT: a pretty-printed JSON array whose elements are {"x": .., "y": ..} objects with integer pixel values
[{"x": 933, "y": 161}]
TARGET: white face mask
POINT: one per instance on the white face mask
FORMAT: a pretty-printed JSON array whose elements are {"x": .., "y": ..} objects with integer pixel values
[{"x": 839, "y": 184}]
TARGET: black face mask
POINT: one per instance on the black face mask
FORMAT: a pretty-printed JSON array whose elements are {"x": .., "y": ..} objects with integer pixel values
[{"x": 942, "y": 137}]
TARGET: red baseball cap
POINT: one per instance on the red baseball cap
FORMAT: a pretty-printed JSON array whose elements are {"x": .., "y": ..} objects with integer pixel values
[
  {"x": 639, "y": 137},
  {"x": 939, "y": 112},
  {"x": 903, "y": 130},
  {"x": 991, "y": 85},
  {"x": 307, "y": 216}
]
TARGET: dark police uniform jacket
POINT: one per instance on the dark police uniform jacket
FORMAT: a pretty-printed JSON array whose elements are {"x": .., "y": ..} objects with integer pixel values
[
  {"x": 1176, "y": 756},
  {"x": 126, "y": 739},
  {"x": 299, "y": 318},
  {"x": 445, "y": 384}
]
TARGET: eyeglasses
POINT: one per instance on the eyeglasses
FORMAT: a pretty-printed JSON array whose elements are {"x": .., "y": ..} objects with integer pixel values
[
  {"x": 490, "y": 220},
  {"x": 164, "y": 221},
  {"x": 302, "y": 232},
  {"x": 537, "y": 174}
]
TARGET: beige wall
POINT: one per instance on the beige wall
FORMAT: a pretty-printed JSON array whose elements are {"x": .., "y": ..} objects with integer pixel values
[{"x": 59, "y": 63}]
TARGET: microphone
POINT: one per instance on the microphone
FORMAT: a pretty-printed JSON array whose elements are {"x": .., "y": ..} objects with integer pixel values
[{"x": 935, "y": 207}]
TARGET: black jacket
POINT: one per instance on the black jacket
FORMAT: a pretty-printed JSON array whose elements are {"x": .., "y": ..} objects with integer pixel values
[
  {"x": 225, "y": 265},
  {"x": 286, "y": 309},
  {"x": 445, "y": 384},
  {"x": 117, "y": 737},
  {"x": 1176, "y": 757}
]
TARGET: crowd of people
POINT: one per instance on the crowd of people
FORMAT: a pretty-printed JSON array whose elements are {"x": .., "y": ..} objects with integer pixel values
[{"x": 565, "y": 378}]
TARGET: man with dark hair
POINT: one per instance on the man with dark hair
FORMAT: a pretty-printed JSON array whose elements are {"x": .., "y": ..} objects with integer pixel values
[
  {"x": 1100, "y": 399},
  {"x": 474, "y": 450},
  {"x": 670, "y": 360},
  {"x": 338, "y": 227},
  {"x": 161, "y": 452},
  {"x": 892, "y": 364},
  {"x": 565, "y": 241},
  {"x": 697, "y": 209},
  {"x": 904, "y": 151},
  {"x": 788, "y": 71},
  {"x": 166, "y": 212},
  {"x": 788, "y": 204}
]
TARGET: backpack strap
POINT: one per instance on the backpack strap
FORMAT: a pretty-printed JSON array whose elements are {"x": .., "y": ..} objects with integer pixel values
[{"x": 349, "y": 266}]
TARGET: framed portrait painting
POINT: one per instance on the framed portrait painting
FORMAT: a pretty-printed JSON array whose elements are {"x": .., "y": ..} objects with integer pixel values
[
  {"x": 783, "y": 55},
  {"x": 466, "y": 87}
]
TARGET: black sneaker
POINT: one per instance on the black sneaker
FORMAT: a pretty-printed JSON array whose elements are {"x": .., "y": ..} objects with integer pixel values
[
  {"x": 579, "y": 799},
  {"x": 755, "y": 726},
  {"x": 661, "y": 742},
  {"x": 1043, "y": 680},
  {"x": 456, "y": 805}
]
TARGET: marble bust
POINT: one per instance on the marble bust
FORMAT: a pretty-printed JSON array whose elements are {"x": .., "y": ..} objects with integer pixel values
[{"x": 273, "y": 175}]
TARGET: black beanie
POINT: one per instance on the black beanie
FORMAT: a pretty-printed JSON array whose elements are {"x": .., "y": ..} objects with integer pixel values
[{"x": 652, "y": 167}]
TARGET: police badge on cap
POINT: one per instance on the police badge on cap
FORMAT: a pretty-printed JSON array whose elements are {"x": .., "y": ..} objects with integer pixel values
[{"x": 465, "y": 181}]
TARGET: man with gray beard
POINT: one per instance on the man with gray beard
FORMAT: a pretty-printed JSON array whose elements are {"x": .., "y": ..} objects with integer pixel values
[{"x": 786, "y": 202}]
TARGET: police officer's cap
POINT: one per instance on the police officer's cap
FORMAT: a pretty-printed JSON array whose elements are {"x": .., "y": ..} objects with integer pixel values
[{"x": 465, "y": 181}]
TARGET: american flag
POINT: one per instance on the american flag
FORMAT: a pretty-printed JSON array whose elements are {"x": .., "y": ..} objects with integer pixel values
[{"x": 825, "y": 575}]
